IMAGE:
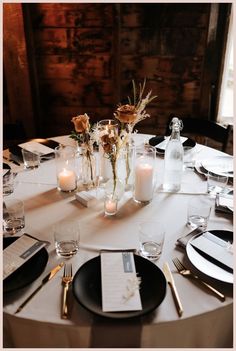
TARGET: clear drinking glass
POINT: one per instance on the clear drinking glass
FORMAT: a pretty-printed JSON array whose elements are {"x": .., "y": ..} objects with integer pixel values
[
  {"x": 13, "y": 215},
  {"x": 216, "y": 183},
  {"x": 67, "y": 238},
  {"x": 151, "y": 239},
  {"x": 31, "y": 159},
  {"x": 8, "y": 183},
  {"x": 199, "y": 209}
]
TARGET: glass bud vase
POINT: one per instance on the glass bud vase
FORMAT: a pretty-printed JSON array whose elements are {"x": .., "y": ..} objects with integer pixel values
[
  {"x": 88, "y": 169},
  {"x": 127, "y": 160},
  {"x": 115, "y": 186},
  {"x": 115, "y": 189}
]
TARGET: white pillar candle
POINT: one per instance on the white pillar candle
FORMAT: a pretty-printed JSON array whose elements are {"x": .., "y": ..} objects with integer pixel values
[
  {"x": 143, "y": 186},
  {"x": 66, "y": 180}
]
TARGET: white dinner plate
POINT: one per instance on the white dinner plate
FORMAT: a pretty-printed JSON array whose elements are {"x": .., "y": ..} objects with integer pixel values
[
  {"x": 205, "y": 266},
  {"x": 220, "y": 165}
]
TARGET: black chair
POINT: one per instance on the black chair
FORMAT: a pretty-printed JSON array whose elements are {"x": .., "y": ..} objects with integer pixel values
[
  {"x": 13, "y": 133},
  {"x": 202, "y": 130}
]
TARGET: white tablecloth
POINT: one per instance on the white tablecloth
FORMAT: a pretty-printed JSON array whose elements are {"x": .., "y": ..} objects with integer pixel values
[{"x": 206, "y": 321}]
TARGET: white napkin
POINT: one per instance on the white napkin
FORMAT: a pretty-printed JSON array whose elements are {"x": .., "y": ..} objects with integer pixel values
[
  {"x": 163, "y": 144},
  {"x": 213, "y": 246}
]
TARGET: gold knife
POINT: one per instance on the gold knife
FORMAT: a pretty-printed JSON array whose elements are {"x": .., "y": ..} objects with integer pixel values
[
  {"x": 48, "y": 277},
  {"x": 170, "y": 280}
]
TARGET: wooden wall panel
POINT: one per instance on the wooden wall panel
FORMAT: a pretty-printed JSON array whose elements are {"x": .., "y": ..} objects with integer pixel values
[
  {"x": 72, "y": 15},
  {"x": 74, "y": 66},
  {"x": 86, "y": 55},
  {"x": 67, "y": 92}
]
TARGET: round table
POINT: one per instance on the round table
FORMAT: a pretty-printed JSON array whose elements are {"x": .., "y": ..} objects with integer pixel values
[{"x": 206, "y": 321}]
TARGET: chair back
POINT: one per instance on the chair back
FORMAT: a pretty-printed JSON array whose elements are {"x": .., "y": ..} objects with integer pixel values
[{"x": 205, "y": 129}]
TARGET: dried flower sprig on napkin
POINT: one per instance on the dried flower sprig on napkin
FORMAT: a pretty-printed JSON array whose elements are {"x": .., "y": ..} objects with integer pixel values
[{"x": 133, "y": 284}]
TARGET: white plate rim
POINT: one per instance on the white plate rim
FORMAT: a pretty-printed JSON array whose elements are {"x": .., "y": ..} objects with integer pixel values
[
  {"x": 208, "y": 162},
  {"x": 205, "y": 266}
]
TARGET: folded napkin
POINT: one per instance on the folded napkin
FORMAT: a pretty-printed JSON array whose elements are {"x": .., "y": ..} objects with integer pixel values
[
  {"x": 215, "y": 249},
  {"x": 224, "y": 203},
  {"x": 44, "y": 147},
  {"x": 183, "y": 240}
]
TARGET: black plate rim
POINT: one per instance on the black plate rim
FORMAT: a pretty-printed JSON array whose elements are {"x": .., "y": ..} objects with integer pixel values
[
  {"x": 126, "y": 314},
  {"x": 189, "y": 140},
  {"x": 41, "y": 252}
]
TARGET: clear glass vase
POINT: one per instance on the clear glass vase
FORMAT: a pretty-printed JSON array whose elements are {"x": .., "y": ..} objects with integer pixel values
[
  {"x": 115, "y": 186},
  {"x": 127, "y": 161},
  {"x": 88, "y": 169}
]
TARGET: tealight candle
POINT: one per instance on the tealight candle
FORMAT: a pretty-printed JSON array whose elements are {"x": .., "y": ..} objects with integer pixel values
[
  {"x": 143, "y": 188},
  {"x": 110, "y": 205},
  {"x": 66, "y": 180}
]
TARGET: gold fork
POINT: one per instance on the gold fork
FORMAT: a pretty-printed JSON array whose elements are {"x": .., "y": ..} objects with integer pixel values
[
  {"x": 187, "y": 273},
  {"x": 66, "y": 281}
]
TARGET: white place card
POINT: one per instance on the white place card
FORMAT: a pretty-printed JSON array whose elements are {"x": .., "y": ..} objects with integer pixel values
[
  {"x": 34, "y": 146},
  {"x": 120, "y": 284},
  {"x": 163, "y": 144},
  {"x": 20, "y": 251},
  {"x": 215, "y": 247}
]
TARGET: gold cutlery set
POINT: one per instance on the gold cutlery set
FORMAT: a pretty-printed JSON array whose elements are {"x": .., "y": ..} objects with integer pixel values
[
  {"x": 186, "y": 273},
  {"x": 66, "y": 281},
  {"x": 68, "y": 277}
]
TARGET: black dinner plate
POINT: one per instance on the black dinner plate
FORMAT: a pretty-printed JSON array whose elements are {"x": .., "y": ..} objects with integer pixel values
[
  {"x": 7, "y": 168},
  {"x": 87, "y": 287},
  {"x": 28, "y": 272},
  {"x": 154, "y": 141}
]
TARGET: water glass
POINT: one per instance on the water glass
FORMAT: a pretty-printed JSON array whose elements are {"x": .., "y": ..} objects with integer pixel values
[
  {"x": 199, "y": 209},
  {"x": 67, "y": 238},
  {"x": 31, "y": 159},
  {"x": 8, "y": 183},
  {"x": 216, "y": 183},
  {"x": 188, "y": 157},
  {"x": 13, "y": 216},
  {"x": 151, "y": 239}
]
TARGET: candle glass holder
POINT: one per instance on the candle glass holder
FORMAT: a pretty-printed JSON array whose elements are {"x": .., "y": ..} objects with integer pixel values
[
  {"x": 144, "y": 174},
  {"x": 110, "y": 205},
  {"x": 65, "y": 168}
]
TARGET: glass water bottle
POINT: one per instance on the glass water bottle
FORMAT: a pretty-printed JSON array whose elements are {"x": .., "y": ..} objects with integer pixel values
[{"x": 174, "y": 158}]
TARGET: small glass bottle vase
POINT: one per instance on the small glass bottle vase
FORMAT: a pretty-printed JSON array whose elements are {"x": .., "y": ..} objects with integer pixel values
[
  {"x": 88, "y": 169},
  {"x": 65, "y": 168}
]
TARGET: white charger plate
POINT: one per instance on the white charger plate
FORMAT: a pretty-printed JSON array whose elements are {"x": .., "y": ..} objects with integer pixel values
[
  {"x": 220, "y": 165},
  {"x": 205, "y": 266}
]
